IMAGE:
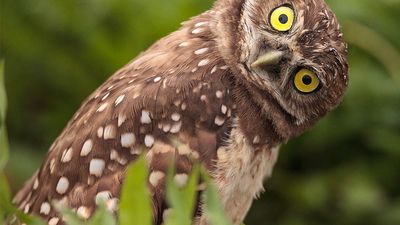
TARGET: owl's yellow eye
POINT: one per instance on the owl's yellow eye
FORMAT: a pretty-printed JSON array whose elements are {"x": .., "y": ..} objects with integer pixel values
[
  {"x": 306, "y": 81},
  {"x": 282, "y": 18}
]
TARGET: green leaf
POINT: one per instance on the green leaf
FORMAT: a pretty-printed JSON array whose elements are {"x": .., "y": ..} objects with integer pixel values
[
  {"x": 103, "y": 217},
  {"x": 4, "y": 198},
  {"x": 135, "y": 206},
  {"x": 8, "y": 210},
  {"x": 70, "y": 217},
  {"x": 213, "y": 207},
  {"x": 29, "y": 219},
  {"x": 183, "y": 199},
  {"x": 3, "y": 131}
]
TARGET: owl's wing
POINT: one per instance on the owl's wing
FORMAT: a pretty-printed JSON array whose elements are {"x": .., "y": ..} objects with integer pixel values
[{"x": 174, "y": 91}]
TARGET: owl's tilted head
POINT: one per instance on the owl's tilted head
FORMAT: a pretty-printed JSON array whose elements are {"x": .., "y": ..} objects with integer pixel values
[{"x": 289, "y": 53}]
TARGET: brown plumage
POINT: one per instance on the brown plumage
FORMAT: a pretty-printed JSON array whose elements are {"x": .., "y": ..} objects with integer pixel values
[{"x": 225, "y": 84}]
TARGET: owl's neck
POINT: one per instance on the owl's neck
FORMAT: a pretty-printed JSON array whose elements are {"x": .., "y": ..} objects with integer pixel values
[
  {"x": 258, "y": 126},
  {"x": 261, "y": 113}
]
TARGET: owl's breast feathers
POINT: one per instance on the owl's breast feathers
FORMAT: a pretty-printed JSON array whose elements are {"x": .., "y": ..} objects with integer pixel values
[{"x": 179, "y": 89}]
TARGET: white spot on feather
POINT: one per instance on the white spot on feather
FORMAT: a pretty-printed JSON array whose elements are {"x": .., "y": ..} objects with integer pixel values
[
  {"x": 256, "y": 140},
  {"x": 67, "y": 155},
  {"x": 197, "y": 31},
  {"x": 102, "y": 196},
  {"x": 214, "y": 69},
  {"x": 183, "y": 106},
  {"x": 219, "y": 121},
  {"x": 203, "y": 62},
  {"x": 100, "y": 132},
  {"x": 155, "y": 177},
  {"x": 114, "y": 155},
  {"x": 52, "y": 165},
  {"x": 62, "y": 185},
  {"x": 219, "y": 94},
  {"x": 109, "y": 132},
  {"x": 102, "y": 107},
  {"x": 96, "y": 167},
  {"x": 176, "y": 117},
  {"x": 45, "y": 208},
  {"x": 54, "y": 221},
  {"x": 119, "y": 100},
  {"x": 201, "y": 51},
  {"x": 166, "y": 127},
  {"x": 121, "y": 119},
  {"x": 149, "y": 140},
  {"x": 200, "y": 24},
  {"x": 83, "y": 212},
  {"x": 105, "y": 96},
  {"x": 128, "y": 140},
  {"x": 145, "y": 118},
  {"x": 176, "y": 127},
  {"x": 87, "y": 147},
  {"x": 224, "y": 109},
  {"x": 27, "y": 208},
  {"x": 36, "y": 184},
  {"x": 157, "y": 79},
  {"x": 184, "y": 44},
  {"x": 112, "y": 204}
]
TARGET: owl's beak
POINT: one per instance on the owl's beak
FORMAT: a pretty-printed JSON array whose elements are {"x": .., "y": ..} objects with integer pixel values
[{"x": 270, "y": 58}]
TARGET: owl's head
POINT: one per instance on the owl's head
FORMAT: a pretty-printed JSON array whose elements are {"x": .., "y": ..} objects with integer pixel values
[{"x": 290, "y": 51}]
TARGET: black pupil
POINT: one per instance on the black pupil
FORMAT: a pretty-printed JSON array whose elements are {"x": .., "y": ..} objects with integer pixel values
[
  {"x": 307, "y": 80},
  {"x": 283, "y": 19}
]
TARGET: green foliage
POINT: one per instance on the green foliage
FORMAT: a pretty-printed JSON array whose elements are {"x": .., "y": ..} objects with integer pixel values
[
  {"x": 101, "y": 217},
  {"x": 345, "y": 171},
  {"x": 28, "y": 219},
  {"x": 5, "y": 198},
  {"x": 4, "y": 190},
  {"x": 182, "y": 199},
  {"x": 135, "y": 204},
  {"x": 3, "y": 109},
  {"x": 214, "y": 209}
]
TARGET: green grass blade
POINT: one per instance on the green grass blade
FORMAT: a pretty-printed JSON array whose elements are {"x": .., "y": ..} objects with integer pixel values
[
  {"x": 213, "y": 207},
  {"x": 4, "y": 198},
  {"x": 69, "y": 216},
  {"x": 103, "y": 217},
  {"x": 3, "y": 109},
  {"x": 183, "y": 199},
  {"x": 29, "y": 219},
  {"x": 135, "y": 206}
]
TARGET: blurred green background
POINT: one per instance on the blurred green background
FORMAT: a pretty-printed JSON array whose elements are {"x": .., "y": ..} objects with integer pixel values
[{"x": 345, "y": 171}]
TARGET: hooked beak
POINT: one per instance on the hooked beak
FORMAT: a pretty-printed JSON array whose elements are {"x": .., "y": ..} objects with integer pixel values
[{"x": 271, "y": 58}]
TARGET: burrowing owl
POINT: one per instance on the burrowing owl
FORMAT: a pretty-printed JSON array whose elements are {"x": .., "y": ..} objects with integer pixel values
[{"x": 232, "y": 84}]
